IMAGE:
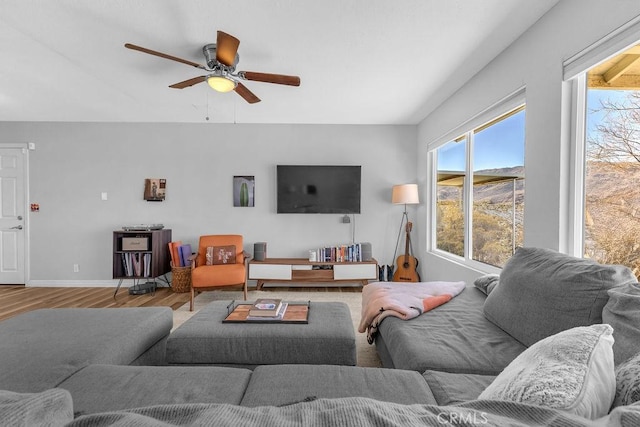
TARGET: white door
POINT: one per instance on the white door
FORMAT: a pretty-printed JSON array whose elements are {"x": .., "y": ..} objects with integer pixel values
[{"x": 12, "y": 214}]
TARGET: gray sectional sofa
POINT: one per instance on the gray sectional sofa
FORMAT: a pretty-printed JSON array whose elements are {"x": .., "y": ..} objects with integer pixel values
[
  {"x": 106, "y": 366},
  {"x": 461, "y": 346}
]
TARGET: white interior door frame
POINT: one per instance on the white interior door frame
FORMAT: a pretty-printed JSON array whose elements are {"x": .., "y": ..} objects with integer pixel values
[{"x": 23, "y": 209}]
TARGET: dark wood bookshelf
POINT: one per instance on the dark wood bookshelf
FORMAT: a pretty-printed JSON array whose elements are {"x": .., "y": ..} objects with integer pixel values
[{"x": 157, "y": 248}]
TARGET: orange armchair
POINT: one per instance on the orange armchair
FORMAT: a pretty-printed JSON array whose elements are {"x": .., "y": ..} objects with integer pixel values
[{"x": 214, "y": 265}]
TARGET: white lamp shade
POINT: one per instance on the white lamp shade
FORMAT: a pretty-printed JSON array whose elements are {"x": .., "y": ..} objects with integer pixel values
[{"x": 405, "y": 194}]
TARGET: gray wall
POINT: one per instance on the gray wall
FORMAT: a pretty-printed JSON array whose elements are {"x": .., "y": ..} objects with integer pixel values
[
  {"x": 75, "y": 162},
  {"x": 534, "y": 61}
]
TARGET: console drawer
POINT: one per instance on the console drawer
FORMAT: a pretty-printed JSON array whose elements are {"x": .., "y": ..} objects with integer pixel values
[
  {"x": 355, "y": 271},
  {"x": 270, "y": 271}
]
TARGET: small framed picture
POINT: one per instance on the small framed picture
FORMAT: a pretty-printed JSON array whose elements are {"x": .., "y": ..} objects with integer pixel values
[
  {"x": 243, "y": 191},
  {"x": 155, "y": 189}
]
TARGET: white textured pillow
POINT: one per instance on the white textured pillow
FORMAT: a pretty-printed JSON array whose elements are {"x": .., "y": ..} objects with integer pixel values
[{"x": 572, "y": 370}]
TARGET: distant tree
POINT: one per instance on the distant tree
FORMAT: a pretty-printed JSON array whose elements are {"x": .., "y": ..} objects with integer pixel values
[
  {"x": 617, "y": 136},
  {"x": 611, "y": 235},
  {"x": 491, "y": 235},
  {"x": 450, "y": 227}
]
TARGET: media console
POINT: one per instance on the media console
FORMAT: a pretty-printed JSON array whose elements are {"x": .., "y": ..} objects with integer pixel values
[{"x": 303, "y": 270}]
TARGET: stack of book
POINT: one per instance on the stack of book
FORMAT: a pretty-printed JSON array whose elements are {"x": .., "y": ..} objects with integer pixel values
[
  {"x": 340, "y": 253},
  {"x": 267, "y": 308}
]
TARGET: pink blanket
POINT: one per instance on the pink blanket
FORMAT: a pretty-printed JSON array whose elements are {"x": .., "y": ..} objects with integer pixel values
[{"x": 403, "y": 300}]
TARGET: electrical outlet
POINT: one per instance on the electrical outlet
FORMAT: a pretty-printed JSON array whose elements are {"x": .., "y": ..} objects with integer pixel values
[{"x": 76, "y": 268}]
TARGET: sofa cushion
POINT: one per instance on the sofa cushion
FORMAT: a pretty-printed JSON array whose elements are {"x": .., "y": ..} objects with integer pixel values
[
  {"x": 449, "y": 389},
  {"x": 571, "y": 371},
  {"x": 455, "y": 337},
  {"x": 628, "y": 382},
  {"x": 286, "y": 384},
  {"x": 48, "y": 408},
  {"x": 42, "y": 348},
  {"x": 543, "y": 292},
  {"x": 100, "y": 388},
  {"x": 348, "y": 411},
  {"x": 622, "y": 312}
]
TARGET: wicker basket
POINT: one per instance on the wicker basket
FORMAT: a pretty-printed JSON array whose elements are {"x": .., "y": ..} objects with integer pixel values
[{"x": 180, "y": 278}]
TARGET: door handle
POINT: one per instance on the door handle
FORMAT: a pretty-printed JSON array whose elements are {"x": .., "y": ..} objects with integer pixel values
[{"x": 17, "y": 227}]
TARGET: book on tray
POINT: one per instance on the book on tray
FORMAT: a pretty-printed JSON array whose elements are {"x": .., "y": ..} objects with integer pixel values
[
  {"x": 265, "y": 307},
  {"x": 279, "y": 315}
]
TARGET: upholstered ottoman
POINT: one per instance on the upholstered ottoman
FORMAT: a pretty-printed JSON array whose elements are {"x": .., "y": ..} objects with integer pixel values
[{"x": 328, "y": 338}]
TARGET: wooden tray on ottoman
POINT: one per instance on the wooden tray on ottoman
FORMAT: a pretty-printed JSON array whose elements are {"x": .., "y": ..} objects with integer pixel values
[{"x": 297, "y": 312}]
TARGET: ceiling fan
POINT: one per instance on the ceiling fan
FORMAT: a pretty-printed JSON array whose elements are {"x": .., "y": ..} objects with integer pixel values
[{"x": 221, "y": 59}]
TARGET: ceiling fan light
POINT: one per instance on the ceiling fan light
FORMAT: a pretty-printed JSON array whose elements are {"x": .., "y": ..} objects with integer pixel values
[{"x": 221, "y": 84}]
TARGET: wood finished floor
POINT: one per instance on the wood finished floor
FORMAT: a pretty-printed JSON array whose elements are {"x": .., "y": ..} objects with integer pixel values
[{"x": 20, "y": 299}]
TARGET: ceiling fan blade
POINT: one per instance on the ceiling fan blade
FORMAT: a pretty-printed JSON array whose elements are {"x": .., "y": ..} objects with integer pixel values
[
  {"x": 248, "y": 96},
  {"x": 163, "y": 55},
  {"x": 189, "y": 82},
  {"x": 226, "y": 48},
  {"x": 280, "y": 79}
]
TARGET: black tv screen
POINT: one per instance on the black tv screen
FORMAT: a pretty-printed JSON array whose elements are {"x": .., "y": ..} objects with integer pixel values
[{"x": 318, "y": 189}]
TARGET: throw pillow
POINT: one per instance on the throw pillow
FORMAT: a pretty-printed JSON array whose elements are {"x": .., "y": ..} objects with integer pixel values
[
  {"x": 571, "y": 371},
  {"x": 628, "y": 382},
  {"x": 217, "y": 255},
  {"x": 487, "y": 283},
  {"x": 622, "y": 312},
  {"x": 543, "y": 292}
]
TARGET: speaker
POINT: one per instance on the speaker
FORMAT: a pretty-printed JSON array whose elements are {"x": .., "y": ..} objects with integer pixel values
[
  {"x": 366, "y": 252},
  {"x": 259, "y": 251}
]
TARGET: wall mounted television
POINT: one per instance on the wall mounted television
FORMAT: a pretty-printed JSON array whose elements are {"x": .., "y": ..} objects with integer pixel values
[{"x": 318, "y": 189}]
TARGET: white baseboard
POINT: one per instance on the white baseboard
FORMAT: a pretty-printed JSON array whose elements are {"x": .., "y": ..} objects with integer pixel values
[
  {"x": 81, "y": 283},
  {"x": 73, "y": 283}
]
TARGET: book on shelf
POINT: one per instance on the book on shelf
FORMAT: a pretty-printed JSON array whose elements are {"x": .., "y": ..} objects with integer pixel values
[
  {"x": 340, "y": 253},
  {"x": 265, "y": 307},
  {"x": 278, "y": 316},
  {"x": 136, "y": 264}
]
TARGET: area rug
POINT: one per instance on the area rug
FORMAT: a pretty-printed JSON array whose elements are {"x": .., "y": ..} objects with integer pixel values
[{"x": 366, "y": 353}]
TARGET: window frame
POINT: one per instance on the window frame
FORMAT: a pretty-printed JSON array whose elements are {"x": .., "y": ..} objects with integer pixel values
[
  {"x": 574, "y": 113},
  {"x": 511, "y": 104}
]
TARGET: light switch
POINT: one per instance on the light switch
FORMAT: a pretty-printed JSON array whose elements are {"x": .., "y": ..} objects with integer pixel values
[{"x": 104, "y": 195}]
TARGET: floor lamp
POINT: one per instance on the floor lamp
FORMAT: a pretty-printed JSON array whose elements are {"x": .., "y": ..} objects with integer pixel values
[{"x": 405, "y": 194}]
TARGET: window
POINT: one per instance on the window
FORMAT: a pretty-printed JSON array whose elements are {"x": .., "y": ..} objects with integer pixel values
[
  {"x": 606, "y": 138},
  {"x": 482, "y": 169},
  {"x": 611, "y": 218},
  {"x": 451, "y": 160}
]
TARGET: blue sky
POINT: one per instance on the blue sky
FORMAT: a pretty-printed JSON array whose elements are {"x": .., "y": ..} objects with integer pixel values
[
  {"x": 499, "y": 146},
  {"x": 502, "y": 145},
  {"x": 593, "y": 102}
]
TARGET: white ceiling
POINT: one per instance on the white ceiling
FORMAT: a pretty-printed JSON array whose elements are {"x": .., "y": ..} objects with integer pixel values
[{"x": 360, "y": 61}]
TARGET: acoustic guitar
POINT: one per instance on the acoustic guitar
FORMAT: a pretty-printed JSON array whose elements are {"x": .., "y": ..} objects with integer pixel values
[{"x": 407, "y": 264}]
